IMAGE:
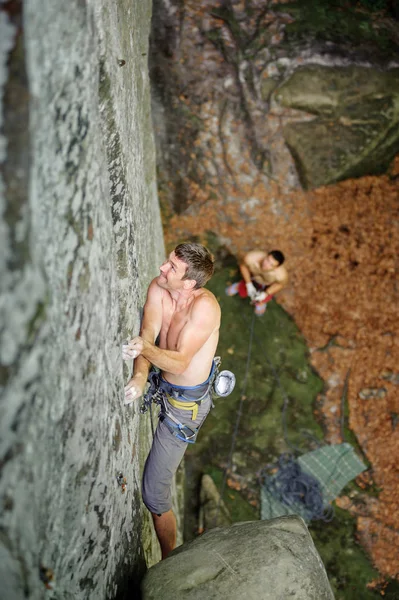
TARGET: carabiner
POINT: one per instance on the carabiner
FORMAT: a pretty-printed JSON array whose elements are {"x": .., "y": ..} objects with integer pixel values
[{"x": 187, "y": 434}]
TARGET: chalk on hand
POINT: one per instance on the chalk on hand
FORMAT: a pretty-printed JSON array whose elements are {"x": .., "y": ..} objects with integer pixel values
[
  {"x": 128, "y": 353},
  {"x": 130, "y": 394}
]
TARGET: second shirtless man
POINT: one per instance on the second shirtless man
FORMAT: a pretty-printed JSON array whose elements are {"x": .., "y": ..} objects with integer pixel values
[
  {"x": 185, "y": 318},
  {"x": 263, "y": 276}
]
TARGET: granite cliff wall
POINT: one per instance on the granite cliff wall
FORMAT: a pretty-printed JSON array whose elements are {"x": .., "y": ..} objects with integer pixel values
[{"x": 81, "y": 238}]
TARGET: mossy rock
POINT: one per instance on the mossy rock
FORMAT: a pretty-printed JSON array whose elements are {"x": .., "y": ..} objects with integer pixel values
[
  {"x": 268, "y": 86},
  {"x": 356, "y": 132},
  {"x": 322, "y": 90}
]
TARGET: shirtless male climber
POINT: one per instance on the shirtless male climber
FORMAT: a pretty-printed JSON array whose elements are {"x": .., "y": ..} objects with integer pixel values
[
  {"x": 186, "y": 317},
  {"x": 263, "y": 276}
]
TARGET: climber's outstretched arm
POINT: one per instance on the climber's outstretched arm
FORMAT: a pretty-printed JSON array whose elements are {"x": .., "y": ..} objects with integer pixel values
[{"x": 150, "y": 328}]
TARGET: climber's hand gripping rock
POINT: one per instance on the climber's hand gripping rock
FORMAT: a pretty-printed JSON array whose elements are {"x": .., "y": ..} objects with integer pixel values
[
  {"x": 133, "y": 349},
  {"x": 134, "y": 389}
]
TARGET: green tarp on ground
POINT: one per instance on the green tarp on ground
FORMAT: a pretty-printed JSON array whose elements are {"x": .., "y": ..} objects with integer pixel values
[{"x": 331, "y": 466}]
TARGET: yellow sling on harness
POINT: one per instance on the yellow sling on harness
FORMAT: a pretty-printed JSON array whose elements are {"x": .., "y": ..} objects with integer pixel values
[{"x": 184, "y": 406}]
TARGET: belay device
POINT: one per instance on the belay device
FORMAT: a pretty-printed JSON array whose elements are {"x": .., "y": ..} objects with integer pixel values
[{"x": 220, "y": 384}]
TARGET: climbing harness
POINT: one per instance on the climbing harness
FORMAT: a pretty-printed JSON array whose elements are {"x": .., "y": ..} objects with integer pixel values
[
  {"x": 192, "y": 406},
  {"x": 180, "y": 430},
  {"x": 153, "y": 394},
  {"x": 163, "y": 393}
]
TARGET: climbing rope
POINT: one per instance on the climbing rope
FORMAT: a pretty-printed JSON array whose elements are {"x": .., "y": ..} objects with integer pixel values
[
  {"x": 294, "y": 488},
  {"x": 343, "y": 400},
  {"x": 238, "y": 419},
  {"x": 281, "y": 388}
]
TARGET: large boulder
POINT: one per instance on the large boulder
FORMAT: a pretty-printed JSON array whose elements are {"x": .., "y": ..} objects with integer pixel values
[
  {"x": 356, "y": 130},
  {"x": 272, "y": 560}
]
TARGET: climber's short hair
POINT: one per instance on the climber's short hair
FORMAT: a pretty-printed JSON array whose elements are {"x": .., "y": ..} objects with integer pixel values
[
  {"x": 278, "y": 256},
  {"x": 199, "y": 261}
]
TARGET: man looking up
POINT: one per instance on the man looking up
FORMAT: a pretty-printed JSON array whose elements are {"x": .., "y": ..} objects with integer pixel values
[
  {"x": 186, "y": 317},
  {"x": 263, "y": 276}
]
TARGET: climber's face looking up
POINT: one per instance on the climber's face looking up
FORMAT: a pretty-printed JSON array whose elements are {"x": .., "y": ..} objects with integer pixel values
[
  {"x": 172, "y": 272},
  {"x": 269, "y": 263}
]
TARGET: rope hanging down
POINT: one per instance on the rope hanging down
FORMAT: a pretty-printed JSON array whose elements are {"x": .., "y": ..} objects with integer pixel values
[
  {"x": 238, "y": 419},
  {"x": 285, "y": 480},
  {"x": 283, "y": 393}
]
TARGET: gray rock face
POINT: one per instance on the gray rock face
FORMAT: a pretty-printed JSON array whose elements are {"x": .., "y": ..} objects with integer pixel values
[
  {"x": 272, "y": 560},
  {"x": 80, "y": 240}
]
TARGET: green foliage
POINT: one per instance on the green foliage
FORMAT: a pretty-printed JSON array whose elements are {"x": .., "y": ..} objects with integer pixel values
[
  {"x": 339, "y": 21},
  {"x": 238, "y": 507},
  {"x": 373, "y": 5}
]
